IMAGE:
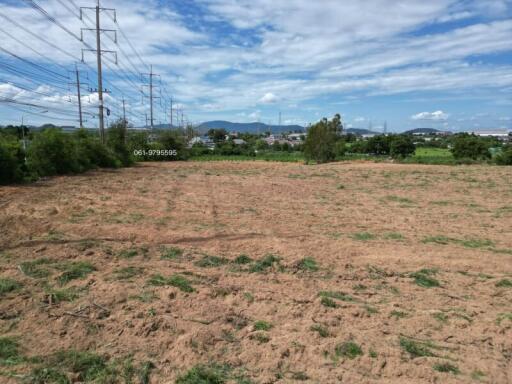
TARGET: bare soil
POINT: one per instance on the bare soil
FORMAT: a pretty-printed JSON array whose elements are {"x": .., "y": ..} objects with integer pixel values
[{"x": 369, "y": 227}]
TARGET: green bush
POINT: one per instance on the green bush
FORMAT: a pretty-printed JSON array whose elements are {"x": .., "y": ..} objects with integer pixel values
[
  {"x": 116, "y": 141},
  {"x": 505, "y": 157},
  {"x": 470, "y": 147},
  {"x": 53, "y": 152},
  {"x": 11, "y": 160}
]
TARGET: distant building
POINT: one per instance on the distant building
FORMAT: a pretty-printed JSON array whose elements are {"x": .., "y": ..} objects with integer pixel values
[
  {"x": 204, "y": 140},
  {"x": 239, "y": 142},
  {"x": 502, "y": 134},
  {"x": 297, "y": 137}
]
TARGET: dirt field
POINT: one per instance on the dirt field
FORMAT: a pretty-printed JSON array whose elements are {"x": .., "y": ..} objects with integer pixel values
[{"x": 262, "y": 272}]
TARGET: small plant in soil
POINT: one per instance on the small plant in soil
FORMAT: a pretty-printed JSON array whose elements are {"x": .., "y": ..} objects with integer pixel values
[
  {"x": 175, "y": 280},
  {"x": 8, "y": 285},
  {"x": 308, "y": 264},
  {"x": 447, "y": 368},
  {"x": 262, "y": 325},
  {"x": 75, "y": 270},
  {"x": 321, "y": 330},
  {"x": 172, "y": 253},
  {"x": 348, "y": 349},
  {"x": 265, "y": 263},
  {"x": 211, "y": 261},
  {"x": 424, "y": 278}
]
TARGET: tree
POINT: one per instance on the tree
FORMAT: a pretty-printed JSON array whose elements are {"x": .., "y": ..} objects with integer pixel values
[
  {"x": 401, "y": 146},
  {"x": 321, "y": 141},
  {"x": 116, "y": 140},
  {"x": 217, "y": 135},
  {"x": 505, "y": 156},
  {"x": 472, "y": 147}
]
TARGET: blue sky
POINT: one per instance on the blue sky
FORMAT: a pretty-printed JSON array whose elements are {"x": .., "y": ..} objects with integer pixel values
[{"x": 443, "y": 63}]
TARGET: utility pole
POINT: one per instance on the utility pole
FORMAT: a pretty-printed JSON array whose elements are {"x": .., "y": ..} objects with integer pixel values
[
  {"x": 78, "y": 84},
  {"x": 124, "y": 111},
  {"x": 151, "y": 87},
  {"x": 171, "y": 112},
  {"x": 151, "y": 95},
  {"x": 79, "y": 97},
  {"x": 99, "y": 52}
]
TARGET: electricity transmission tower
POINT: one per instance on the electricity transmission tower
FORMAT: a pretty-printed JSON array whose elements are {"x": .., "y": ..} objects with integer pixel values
[
  {"x": 99, "y": 53},
  {"x": 151, "y": 85}
]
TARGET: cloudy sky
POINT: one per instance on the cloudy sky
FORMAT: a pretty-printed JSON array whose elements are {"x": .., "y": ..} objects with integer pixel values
[{"x": 445, "y": 64}]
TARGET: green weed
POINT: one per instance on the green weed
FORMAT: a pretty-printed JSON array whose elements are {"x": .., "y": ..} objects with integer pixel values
[
  {"x": 363, "y": 236},
  {"x": 36, "y": 268},
  {"x": 127, "y": 273},
  {"x": 424, "y": 278},
  {"x": 242, "y": 259},
  {"x": 211, "y": 261},
  {"x": 308, "y": 264},
  {"x": 75, "y": 270},
  {"x": 8, "y": 285},
  {"x": 175, "y": 280},
  {"x": 504, "y": 283},
  {"x": 9, "y": 351},
  {"x": 348, "y": 349},
  {"x": 416, "y": 348},
  {"x": 265, "y": 263},
  {"x": 262, "y": 325},
  {"x": 447, "y": 368},
  {"x": 172, "y": 253},
  {"x": 322, "y": 330}
]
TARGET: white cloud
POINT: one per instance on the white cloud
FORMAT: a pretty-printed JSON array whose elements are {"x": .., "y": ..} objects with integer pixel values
[
  {"x": 434, "y": 116},
  {"x": 269, "y": 98}
]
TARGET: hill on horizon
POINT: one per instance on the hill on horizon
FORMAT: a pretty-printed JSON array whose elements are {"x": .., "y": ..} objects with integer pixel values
[{"x": 254, "y": 127}]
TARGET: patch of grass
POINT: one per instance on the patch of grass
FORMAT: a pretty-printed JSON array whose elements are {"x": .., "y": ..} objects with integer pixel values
[
  {"x": 336, "y": 295},
  {"x": 504, "y": 283},
  {"x": 363, "y": 236},
  {"x": 416, "y": 348},
  {"x": 260, "y": 337},
  {"x": 477, "y": 375},
  {"x": 398, "y": 314},
  {"x": 175, "y": 280},
  {"x": 328, "y": 302},
  {"x": 373, "y": 354},
  {"x": 424, "y": 278},
  {"x": 9, "y": 351},
  {"x": 441, "y": 317},
  {"x": 308, "y": 264},
  {"x": 322, "y": 330},
  {"x": 439, "y": 240},
  {"x": 477, "y": 243},
  {"x": 88, "y": 367},
  {"x": 211, "y": 261},
  {"x": 504, "y": 316},
  {"x": 242, "y": 259},
  {"x": 262, "y": 325},
  {"x": 398, "y": 199},
  {"x": 59, "y": 295},
  {"x": 75, "y": 270},
  {"x": 348, "y": 349},
  {"x": 8, "y": 285},
  {"x": 370, "y": 309},
  {"x": 447, "y": 368},
  {"x": 127, "y": 273},
  {"x": 145, "y": 297},
  {"x": 265, "y": 263},
  {"x": 205, "y": 374},
  {"x": 36, "y": 268},
  {"x": 132, "y": 252},
  {"x": 300, "y": 376},
  {"x": 172, "y": 253},
  {"x": 393, "y": 236},
  {"x": 340, "y": 186}
]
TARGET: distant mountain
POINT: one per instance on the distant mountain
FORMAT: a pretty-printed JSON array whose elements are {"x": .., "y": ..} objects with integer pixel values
[
  {"x": 423, "y": 131},
  {"x": 361, "y": 131},
  {"x": 248, "y": 127}
]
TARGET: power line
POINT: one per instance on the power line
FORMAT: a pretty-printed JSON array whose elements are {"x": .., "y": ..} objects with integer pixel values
[{"x": 41, "y": 68}]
